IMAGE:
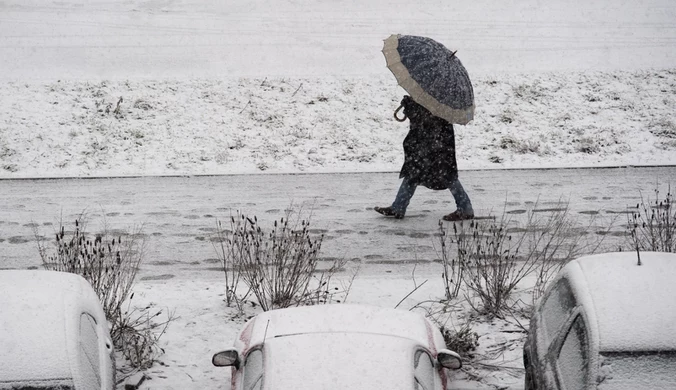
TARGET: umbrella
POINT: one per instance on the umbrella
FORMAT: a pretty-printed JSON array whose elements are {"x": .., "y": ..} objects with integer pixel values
[{"x": 432, "y": 75}]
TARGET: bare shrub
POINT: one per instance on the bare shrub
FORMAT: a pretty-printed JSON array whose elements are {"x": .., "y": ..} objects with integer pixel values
[
  {"x": 492, "y": 258},
  {"x": 110, "y": 265},
  {"x": 519, "y": 146},
  {"x": 507, "y": 116},
  {"x": 138, "y": 335},
  {"x": 652, "y": 224},
  {"x": 529, "y": 92},
  {"x": 489, "y": 261},
  {"x": 463, "y": 341},
  {"x": 495, "y": 159},
  {"x": 588, "y": 145},
  {"x": 663, "y": 127},
  {"x": 281, "y": 267}
]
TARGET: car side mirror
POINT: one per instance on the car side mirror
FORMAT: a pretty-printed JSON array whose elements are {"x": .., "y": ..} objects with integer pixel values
[
  {"x": 449, "y": 359},
  {"x": 229, "y": 357}
]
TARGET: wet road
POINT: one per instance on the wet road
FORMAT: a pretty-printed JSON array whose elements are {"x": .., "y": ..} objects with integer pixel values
[{"x": 178, "y": 214}]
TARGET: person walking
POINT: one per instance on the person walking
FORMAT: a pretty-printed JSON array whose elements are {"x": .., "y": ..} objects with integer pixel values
[{"x": 429, "y": 160}]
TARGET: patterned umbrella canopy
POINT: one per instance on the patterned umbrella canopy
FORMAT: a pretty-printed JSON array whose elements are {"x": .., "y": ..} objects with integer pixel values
[{"x": 432, "y": 75}]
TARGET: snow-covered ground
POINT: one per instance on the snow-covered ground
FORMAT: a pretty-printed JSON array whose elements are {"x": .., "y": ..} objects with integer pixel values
[
  {"x": 241, "y": 86},
  {"x": 275, "y": 125},
  {"x": 207, "y": 326},
  {"x": 130, "y": 39}
]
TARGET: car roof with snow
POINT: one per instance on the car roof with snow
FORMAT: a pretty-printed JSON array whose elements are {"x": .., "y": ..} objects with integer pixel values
[
  {"x": 340, "y": 318},
  {"x": 40, "y": 322},
  {"x": 633, "y": 306}
]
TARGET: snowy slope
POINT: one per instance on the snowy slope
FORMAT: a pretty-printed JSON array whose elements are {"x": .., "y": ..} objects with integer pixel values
[{"x": 70, "y": 128}]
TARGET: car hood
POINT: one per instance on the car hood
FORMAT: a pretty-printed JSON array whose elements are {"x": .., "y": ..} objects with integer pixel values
[{"x": 336, "y": 361}]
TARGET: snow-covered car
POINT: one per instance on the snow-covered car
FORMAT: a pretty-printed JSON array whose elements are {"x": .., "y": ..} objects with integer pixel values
[
  {"x": 606, "y": 323},
  {"x": 53, "y": 333},
  {"x": 338, "y": 347}
]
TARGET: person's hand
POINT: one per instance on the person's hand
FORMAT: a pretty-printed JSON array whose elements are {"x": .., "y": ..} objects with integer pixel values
[{"x": 411, "y": 108}]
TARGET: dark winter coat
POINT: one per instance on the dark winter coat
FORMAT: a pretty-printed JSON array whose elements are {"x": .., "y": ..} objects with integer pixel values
[{"x": 429, "y": 148}]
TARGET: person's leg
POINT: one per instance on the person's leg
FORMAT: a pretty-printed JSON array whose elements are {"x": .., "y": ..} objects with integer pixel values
[
  {"x": 404, "y": 195},
  {"x": 462, "y": 202}
]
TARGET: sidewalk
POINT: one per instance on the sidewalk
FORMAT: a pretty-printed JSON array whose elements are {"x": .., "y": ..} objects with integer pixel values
[{"x": 178, "y": 214}]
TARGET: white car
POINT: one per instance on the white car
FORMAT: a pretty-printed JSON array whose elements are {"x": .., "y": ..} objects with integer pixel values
[
  {"x": 606, "y": 323},
  {"x": 338, "y": 347},
  {"x": 53, "y": 333}
]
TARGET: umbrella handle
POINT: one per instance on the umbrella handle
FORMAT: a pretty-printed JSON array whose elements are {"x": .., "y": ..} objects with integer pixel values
[{"x": 397, "y": 111}]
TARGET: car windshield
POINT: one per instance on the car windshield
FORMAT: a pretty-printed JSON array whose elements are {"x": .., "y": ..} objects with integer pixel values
[
  {"x": 643, "y": 370},
  {"x": 343, "y": 360}
]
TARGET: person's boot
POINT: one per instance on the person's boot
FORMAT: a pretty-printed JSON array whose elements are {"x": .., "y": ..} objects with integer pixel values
[
  {"x": 458, "y": 215},
  {"x": 388, "y": 212}
]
